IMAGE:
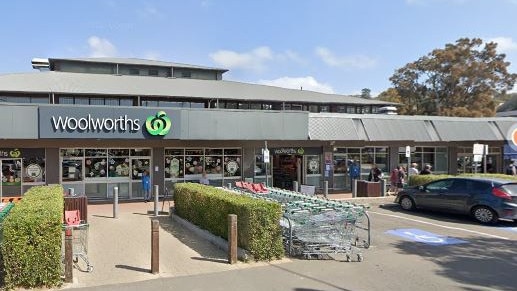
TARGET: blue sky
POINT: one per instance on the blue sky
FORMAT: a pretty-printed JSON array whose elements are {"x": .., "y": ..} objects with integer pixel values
[{"x": 334, "y": 46}]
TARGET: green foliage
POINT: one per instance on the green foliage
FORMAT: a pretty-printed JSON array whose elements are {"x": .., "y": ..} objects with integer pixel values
[
  {"x": 459, "y": 80},
  {"x": 32, "y": 239},
  {"x": 257, "y": 220},
  {"x": 417, "y": 180}
]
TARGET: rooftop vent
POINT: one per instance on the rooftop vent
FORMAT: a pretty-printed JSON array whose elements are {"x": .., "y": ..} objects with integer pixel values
[{"x": 40, "y": 64}]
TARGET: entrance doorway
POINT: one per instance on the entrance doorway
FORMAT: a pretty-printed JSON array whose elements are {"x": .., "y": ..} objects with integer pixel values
[
  {"x": 11, "y": 177},
  {"x": 286, "y": 170}
]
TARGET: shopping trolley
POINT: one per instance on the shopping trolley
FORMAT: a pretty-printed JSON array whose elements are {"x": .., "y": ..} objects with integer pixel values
[{"x": 78, "y": 230}]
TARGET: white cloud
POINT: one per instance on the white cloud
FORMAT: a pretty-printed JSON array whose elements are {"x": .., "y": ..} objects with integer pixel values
[
  {"x": 504, "y": 44},
  {"x": 152, "y": 55},
  {"x": 358, "y": 61},
  {"x": 101, "y": 47},
  {"x": 253, "y": 60},
  {"x": 307, "y": 83}
]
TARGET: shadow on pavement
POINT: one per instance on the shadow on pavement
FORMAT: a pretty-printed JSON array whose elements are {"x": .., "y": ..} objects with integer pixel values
[
  {"x": 210, "y": 260},
  {"x": 442, "y": 216},
  {"x": 207, "y": 250},
  {"x": 131, "y": 268},
  {"x": 471, "y": 263},
  {"x": 308, "y": 277}
]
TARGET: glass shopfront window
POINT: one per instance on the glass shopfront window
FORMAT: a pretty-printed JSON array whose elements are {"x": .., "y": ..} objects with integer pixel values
[
  {"x": 96, "y": 171},
  {"x": 21, "y": 169},
  {"x": 371, "y": 156},
  {"x": 187, "y": 165},
  {"x": 436, "y": 157}
]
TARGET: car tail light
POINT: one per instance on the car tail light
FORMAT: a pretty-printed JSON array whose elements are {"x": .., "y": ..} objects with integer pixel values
[{"x": 501, "y": 194}]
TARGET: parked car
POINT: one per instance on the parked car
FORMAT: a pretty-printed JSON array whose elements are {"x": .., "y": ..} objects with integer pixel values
[{"x": 486, "y": 199}]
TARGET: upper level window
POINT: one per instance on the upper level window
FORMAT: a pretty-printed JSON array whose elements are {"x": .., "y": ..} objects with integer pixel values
[
  {"x": 134, "y": 71},
  {"x": 324, "y": 108},
  {"x": 153, "y": 72},
  {"x": 186, "y": 75}
]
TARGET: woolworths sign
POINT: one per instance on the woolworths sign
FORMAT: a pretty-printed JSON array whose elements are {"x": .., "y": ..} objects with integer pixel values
[{"x": 95, "y": 122}]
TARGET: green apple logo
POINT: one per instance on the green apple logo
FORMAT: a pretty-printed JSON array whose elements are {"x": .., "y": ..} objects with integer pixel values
[{"x": 159, "y": 124}]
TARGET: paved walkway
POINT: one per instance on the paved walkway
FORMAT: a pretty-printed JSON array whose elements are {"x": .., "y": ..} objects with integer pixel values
[{"x": 120, "y": 249}]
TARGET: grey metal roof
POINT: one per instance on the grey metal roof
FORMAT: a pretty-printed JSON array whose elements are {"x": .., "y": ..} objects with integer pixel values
[
  {"x": 104, "y": 84},
  {"x": 379, "y": 127},
  {"x": 467, "y": 130},
  {"x": 134, "y": 61}
]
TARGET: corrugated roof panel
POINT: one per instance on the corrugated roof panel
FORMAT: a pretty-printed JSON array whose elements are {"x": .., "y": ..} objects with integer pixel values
[
  {"x": 393, "y": 129},
  {"x": 324, "y": 128},
  {"x": 505, "y": 126},
  {"x": 468, "y": 130},
  {"x": 104, "y": 84}
]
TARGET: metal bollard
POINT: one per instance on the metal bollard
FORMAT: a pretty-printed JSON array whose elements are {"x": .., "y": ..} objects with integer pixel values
[
  {"x": 69, "y": 274},
  {"x": 325, "y": 188},
  {"x": 295, "y": 186},
  {"x": 155, "y": 246},
  {"x": 71, "y": 192},
  {"x": 156, "y": 199},
  {"x": 230, "y": 186},
  {"x": 354, "y": 188},
  {"x": 115, "y": 202},
  {"x": 232, "y": 238}
]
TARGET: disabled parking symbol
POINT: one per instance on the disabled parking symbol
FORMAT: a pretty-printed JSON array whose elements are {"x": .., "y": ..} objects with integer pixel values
[{"x": 425, "y": 237}]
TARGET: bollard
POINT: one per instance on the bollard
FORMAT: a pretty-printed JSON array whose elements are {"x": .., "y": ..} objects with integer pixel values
[
  {"x": 156, "y": 199},
  {"x": 354, "y": 188},
  {"x": 115, "y": 202},
  {"x": 230, "y": 186},
  {"x": 295, "y": 186},
  {"x": 155, "y": 246},
  {"x": 232, "y": 238},
  {"x": 325, "y": 188},
  {"x": 71, "y": 192},
  {"x": 69, "y": 275},
  {"x": 383, "y": 188}
]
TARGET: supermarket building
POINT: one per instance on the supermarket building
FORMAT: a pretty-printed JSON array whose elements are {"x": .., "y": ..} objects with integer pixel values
[{"x": 95, "y": 124}]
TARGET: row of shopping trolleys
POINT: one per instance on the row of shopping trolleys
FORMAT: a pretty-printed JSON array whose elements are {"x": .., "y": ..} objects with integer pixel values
[{"x": 314, "y": 227}]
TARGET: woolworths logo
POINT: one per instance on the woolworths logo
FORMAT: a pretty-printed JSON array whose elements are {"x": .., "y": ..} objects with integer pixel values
[{"x": 159, "y": 124}]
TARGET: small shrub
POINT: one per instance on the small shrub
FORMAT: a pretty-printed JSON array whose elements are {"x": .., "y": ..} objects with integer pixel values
[
  {"x": 31, "y": 249},
  {"x": 257, "y": 220}
]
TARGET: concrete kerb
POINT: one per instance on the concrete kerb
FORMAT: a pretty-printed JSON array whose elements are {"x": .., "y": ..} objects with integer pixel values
[{"x": 219, "y": 242}]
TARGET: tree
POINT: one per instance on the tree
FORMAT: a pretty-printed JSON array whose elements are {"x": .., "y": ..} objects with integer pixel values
[
  {"x": 392, "y": 95},
  {"x": 366, "y": 93},
  {"x": 459, "y": 80}
]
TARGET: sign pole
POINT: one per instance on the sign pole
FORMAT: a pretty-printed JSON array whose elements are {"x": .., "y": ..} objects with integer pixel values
[{"x": 265, "y": 153}]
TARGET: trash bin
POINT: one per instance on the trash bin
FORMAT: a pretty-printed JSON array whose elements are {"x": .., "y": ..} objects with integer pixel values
[
  {"x": 368, "y": 189},
  {"x": 80, "y": 203}
]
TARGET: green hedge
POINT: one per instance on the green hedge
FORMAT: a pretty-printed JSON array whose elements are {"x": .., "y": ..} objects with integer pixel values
[
  {"x": 31, "y": 249},
  {"x": 257, "y": 220},
  {"x": 423, "y": 179}
]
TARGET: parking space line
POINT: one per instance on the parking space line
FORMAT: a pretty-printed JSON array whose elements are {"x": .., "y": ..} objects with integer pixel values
[{"x": 440, "y": 225}]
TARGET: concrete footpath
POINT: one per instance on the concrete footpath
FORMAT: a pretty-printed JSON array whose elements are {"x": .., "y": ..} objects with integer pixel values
[{"x": 120, "y": 249}]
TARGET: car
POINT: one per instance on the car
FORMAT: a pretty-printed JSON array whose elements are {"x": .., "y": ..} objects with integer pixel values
[{"x": 486, "y": 199}]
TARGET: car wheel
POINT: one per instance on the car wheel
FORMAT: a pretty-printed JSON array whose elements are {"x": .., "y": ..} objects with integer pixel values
[
  {"x": 407, "y": 203},
  {"x": 484, "y": 214}
]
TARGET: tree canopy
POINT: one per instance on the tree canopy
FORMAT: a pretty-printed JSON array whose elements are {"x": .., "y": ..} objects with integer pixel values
[{"x": 458, "y": 80}]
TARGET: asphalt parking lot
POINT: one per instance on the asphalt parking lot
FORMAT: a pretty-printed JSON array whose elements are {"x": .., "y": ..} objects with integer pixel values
[{"x": 410, "y": 251}]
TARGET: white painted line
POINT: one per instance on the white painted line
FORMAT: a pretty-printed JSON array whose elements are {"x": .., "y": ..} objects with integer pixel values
[{"x": 444, "y": 226}]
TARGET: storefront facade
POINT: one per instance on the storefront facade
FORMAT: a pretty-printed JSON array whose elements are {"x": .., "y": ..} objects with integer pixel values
[{"x": 93, "y": 149}]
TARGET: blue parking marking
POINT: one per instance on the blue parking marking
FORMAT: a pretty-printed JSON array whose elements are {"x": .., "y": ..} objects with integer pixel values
[{"x": 425, "y": 237}]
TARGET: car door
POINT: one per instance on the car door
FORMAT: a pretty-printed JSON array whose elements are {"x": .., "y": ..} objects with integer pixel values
[
  {"x": 431, "y": 194},
  {"x": 455, "y": 198}
]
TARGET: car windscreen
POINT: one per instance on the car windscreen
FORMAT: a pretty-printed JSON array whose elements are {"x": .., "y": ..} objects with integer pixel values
[{"x": 510, "y": 188}]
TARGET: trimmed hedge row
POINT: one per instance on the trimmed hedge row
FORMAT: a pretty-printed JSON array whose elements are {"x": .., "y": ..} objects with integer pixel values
[
  {"x": 31, "y": 248},
  {"x": 423, "y": 179},
  {"x": 257, "y": 220}
]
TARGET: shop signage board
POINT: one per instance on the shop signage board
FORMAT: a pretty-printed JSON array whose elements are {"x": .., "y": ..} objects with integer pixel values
[
  {"x": 99, "y": 122},
  {"x": 300, "y": 151}
]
